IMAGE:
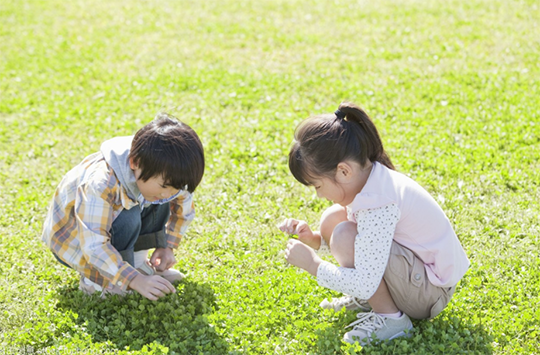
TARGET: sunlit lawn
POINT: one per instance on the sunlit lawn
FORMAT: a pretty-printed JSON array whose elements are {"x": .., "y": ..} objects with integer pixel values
[{"x": 452, "y": 85}]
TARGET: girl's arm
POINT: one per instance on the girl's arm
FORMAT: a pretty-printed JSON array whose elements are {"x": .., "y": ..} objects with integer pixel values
[{"x": 376, "y": 228}]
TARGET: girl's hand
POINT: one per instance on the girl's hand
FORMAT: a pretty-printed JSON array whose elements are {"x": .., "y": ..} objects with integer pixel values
[
  {"x": 163, "y": 259},
  {"x": 151, "y": 287},
  {"x": 302, "y": 230},
  {"x": 299, "y": 254}
]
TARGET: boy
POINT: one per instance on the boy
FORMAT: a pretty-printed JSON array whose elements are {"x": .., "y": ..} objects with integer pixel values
[{"x": 133, "y": 195}]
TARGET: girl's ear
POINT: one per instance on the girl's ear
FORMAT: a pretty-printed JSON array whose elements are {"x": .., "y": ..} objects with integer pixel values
[{"x": 344, "y": 172}]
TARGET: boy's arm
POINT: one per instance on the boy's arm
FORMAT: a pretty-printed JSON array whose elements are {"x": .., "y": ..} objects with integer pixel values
[
  {"x": 94, "y": 216},
  {"x": 182, "y": 213}
]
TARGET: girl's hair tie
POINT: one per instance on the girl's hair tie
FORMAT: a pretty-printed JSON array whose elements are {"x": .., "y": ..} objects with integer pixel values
[{"x": 339, "y": 114}]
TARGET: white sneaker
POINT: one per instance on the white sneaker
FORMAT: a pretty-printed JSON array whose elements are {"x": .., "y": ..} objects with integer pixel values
[
  {"x": 349, "y": 302},
  {"x": 371, "y": 326}
]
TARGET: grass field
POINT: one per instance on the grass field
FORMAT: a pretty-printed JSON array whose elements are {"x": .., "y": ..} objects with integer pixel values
[{"x": 452, "y": 85}]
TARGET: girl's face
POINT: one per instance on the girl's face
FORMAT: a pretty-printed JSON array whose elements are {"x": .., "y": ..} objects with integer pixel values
[
  {"x": 349, "y": 180},
  {"x": 332, "y": 191}
]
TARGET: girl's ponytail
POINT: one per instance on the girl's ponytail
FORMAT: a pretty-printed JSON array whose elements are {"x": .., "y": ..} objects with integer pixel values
[{"x": 353, "y": 113}]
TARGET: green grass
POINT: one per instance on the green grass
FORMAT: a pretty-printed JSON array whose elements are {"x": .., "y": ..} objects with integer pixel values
[{"x": 452, "y": 85}]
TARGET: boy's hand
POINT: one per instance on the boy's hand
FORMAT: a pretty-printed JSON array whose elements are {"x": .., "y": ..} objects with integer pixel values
[
  {"x": 151, "y": 287},
  {"x": 299, "y": 254},
  {"x": 302, "y": 230},
  {"x": 163, "y": 259}
]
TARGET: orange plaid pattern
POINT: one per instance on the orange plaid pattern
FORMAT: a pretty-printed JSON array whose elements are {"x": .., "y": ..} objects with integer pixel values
[{"x": 86, "y": 202}]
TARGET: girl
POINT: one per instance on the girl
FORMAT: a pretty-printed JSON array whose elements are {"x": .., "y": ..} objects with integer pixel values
[{"x": 396, "y": 249}]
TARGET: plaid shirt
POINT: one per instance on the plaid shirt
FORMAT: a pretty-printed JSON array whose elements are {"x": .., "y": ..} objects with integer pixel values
[{"x": 77, "y": 227}]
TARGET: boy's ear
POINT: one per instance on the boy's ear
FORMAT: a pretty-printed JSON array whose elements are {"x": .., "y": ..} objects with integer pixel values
[
  {"x": 344, "y": 172},
  {"x": 132, "y": 165}
]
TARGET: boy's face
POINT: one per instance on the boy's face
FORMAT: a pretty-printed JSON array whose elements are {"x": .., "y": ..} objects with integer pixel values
[{"x": 153, "y": 189}]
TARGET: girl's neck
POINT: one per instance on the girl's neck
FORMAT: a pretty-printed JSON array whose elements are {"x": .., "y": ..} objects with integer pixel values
[
  {"x": 358, "y": 178},
  {"x": 363, "y": 176}
]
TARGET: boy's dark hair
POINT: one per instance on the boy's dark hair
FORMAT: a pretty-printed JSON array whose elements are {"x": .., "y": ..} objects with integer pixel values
[
  {"x": 322, "y": 142},
  {"x": 169, "y": 148}
]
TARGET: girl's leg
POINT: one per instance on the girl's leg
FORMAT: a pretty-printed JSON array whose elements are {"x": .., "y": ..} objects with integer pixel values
[
  {"x": 408, "y": 283},
  {"x": 330, "y": 218},
  {"x": 333, "y": 216},
  {"x": 382, "y": 301},
  {"x": 342, "y": 247},
  {"x": 385, "y": 321}
]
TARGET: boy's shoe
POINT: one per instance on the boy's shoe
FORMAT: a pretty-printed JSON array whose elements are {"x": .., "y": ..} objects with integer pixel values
[
  {"x": 371, "y": 326},
  {"x": 348, "y": 302},
  {"x": 88, "y": 287},
  {"x": 170, "y": 275}
]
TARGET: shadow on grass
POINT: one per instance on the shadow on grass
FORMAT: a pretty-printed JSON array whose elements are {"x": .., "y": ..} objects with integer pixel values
[
  {"x": 446, "y": 334},
  {"x": 177, "y": 321}
]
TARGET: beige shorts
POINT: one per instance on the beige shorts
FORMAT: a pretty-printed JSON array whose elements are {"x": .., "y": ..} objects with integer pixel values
[{"x": 409, "y": 286}]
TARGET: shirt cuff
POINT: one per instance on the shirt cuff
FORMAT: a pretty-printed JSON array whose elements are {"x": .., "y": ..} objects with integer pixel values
[
  {"x": 325, "y": 274},
  {"x": 124, "y": 276},
  {"x": 172, "y": 241}
]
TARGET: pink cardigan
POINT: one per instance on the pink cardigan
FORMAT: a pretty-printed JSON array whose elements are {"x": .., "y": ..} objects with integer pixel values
[{"x": 422, "y": 227}]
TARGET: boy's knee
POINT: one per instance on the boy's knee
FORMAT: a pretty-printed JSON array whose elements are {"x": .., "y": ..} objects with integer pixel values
[{"x": 126, "y": 227}]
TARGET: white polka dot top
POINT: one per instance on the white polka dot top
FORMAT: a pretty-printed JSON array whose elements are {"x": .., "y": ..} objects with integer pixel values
[{"x": 371, "y": 250}]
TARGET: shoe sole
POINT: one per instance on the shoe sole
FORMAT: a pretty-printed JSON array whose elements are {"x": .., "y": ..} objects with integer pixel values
[
  {"x": 398, "y": 335},
  {"x": 402, "y": 334}
]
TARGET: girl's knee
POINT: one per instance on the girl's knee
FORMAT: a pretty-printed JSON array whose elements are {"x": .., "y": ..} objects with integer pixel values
[
  {"x": 344, "y": 233},
  {"x": 342, "y": 243},
  {"x": 330, "y": 218}
]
